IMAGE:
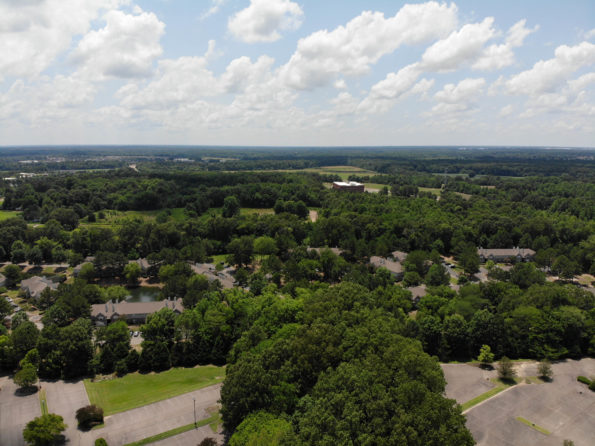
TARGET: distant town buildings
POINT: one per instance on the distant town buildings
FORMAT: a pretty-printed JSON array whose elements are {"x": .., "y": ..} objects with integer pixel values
[
  {"x": 506, "y": 255},
  {"x": 351, "y": 186}
]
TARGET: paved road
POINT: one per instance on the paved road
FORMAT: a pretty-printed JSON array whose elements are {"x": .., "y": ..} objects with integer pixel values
[
  {"x": 143, "y": 422},
  {"x": 15, "y": 412},
  {"x": 191, "y": 437},
  {"x": 65, "y": 398}
]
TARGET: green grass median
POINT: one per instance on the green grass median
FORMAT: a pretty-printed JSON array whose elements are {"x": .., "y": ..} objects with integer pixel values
[
  {"x": 176, "y": 431},
  {"x": 136, "y": 389}
]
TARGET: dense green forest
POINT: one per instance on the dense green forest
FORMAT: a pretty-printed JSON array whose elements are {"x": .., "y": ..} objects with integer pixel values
[{"x": 321, "y": 346}]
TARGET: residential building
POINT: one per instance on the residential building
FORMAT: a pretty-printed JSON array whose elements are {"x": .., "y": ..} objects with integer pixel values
[
  {"x": 34, "y": 286},
  {"x": 225, "y": 276},
  {"x": 506, "y": 255},
  {"x": 394, "y": 267},
  {"x": 131, "y": 312}
]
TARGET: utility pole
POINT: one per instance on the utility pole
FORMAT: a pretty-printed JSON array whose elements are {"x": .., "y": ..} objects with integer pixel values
[{"x": 194, "y": 400}]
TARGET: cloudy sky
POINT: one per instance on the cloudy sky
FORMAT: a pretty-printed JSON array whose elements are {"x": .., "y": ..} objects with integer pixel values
[{"x": 309, "y": 72}]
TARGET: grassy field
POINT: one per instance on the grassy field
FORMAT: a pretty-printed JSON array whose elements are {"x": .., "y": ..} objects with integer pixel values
[
  {"x": 4, "y": 215},
  {"x": 259, "y": 211},
  {"x": 342, "y": 171},
  {"x": 135, "y": 389},
  {"x": 434, "y": 190},
  {"x": 115, "y": 218}
]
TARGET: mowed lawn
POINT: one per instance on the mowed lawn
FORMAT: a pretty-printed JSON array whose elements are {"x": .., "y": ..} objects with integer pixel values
[
  {"x": 5, "y": 215},
  {"x": 136, "y": 389}
]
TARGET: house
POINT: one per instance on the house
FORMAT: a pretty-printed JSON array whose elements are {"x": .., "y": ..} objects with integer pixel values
[
  {"x": 335, "y": 251},
  {"x": 351, "y": 186},
  {"x": 506, "y": 255},
  {"x": 394, "y": 267},
  {"x": 131, "y": 312},
  {"x": 34, "y": 286},
  {"x": 143, "y": 264},
  {"x": 417, "y": 292},
  {"x": 209, "y": 270},
  {"x": 399, "y": 256}
]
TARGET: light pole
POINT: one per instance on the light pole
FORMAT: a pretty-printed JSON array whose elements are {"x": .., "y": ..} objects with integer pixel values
[{"x": 194, "y": 400}]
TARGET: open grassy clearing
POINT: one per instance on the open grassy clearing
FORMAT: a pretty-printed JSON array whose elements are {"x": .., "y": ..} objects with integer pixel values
[
  {"x": 434, "y": 190},
  {"x": 219, "y": 258},
  {"x": 533, "y": 425},
  {"x": 376, "y": 186},
  {"x": 5, "y": 215},
  {"x": 136, "y": 389},
  {"x": 115, "y": 218},
  {"x": 178, "y": 430},
  {"x": 259, "y": 211},
  {"x": 342, "y": 171}
]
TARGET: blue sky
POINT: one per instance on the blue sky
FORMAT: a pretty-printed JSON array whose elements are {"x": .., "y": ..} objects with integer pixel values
[{"x": 282, "y": 72}]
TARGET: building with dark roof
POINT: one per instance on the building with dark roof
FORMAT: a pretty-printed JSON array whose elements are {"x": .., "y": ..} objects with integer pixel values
[
  {"x": 131, "y": 312},
  {"x": 34, "y": 286},
  {"x": 506, "y": 255},
  {"x": 394, "y": 267}
]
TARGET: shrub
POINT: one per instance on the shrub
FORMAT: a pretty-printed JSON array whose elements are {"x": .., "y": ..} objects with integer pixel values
[
  {"x": 584, "y": 380},
  {"x": 545, "y": 370},
  {"x": 100, "y": 442},
  {"x": 89, "y": 416},
  {"x": 208, "y": 442},
  {"x": 592, "y": 386},
  {"x": 506, "y": 369}
]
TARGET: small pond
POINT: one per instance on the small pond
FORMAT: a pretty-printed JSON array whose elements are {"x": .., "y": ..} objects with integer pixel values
[{"x": 143, "y": 294}]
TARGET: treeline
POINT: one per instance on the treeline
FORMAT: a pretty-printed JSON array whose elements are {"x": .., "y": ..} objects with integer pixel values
[{"x": 61, "y": 197}]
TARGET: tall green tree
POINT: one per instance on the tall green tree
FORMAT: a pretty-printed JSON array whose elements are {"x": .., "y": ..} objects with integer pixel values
[{"x": 44, "y": 430}]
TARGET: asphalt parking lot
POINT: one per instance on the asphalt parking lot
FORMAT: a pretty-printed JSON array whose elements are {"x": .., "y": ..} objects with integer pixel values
[
  {"x": 15, "y": 412},
  {"x": 65, "y": 398},
  {"x": 146, "y": 421},
  {"x": 563, "y": 407}
]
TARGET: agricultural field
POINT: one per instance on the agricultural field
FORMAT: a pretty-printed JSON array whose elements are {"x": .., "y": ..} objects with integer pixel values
[
  {"x": 136, "y": 389},
  {"x": 343, "y": 171}
]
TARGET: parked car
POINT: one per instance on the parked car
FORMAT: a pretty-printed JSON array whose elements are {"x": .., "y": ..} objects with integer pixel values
[{"x": 136, "y": 333}]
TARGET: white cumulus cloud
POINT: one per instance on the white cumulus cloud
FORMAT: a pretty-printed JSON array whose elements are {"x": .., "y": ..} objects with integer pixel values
[
  {"x": 496, "y": 57},
  {"x": 125, "y": 48},
  {"x": 458, "y": 98},
  {"x": 459, "y": 47},
  {"x": 352, "y": 49},
  {"x": 547, "y": 75},
  {"x": 263, "y": 20},
  {"x": 33, "y": 33}
]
